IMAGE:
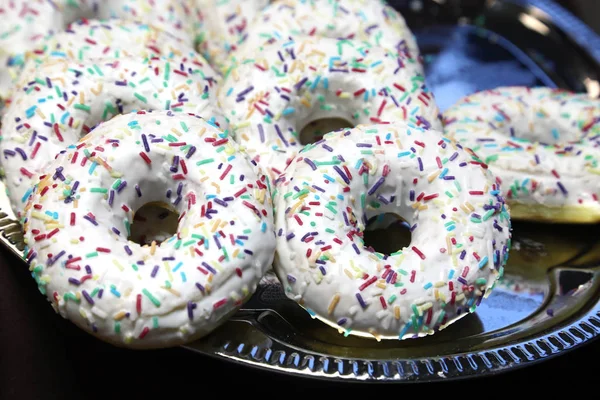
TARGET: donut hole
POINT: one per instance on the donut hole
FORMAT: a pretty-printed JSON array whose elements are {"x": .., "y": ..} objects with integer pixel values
[
  {"x": 387, "y": 233},
  {"x": 155, "y": 221},
  {"x": 314, "y": 130}
]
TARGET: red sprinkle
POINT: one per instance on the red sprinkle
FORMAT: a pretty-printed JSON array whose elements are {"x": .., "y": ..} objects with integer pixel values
[
  {"x": 145, "y": 158},
  {"x": 367, "y": 283},
  {"x": 418, "y": 252},
  {"x": 224, "y": 174},
  {"x": 144, "y": 332},
  {"x": 219, "y": 303}
]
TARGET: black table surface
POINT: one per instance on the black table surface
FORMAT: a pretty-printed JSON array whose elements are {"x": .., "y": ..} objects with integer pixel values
[{"x": 44, "y": 356}]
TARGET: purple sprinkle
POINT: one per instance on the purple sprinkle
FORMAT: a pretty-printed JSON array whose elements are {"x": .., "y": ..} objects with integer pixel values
[
  {"x": 74, "y": 281},
  {"x": 342, "y": 174},
  {"x": 290, "y": 236},
  {"x": 562, "y": 188},
  {"x": 146, "y": 145},
  {"x": 190, "y": 309},
  {"x": 100, "y": 293},
  {"x": 285, "y": 143},
  {"x": 208, "y": 267},
  {"x": 299, "y": 84},
  {"x": 21, "y": 152},
  {"x": 199, "y": 286},
  {"x": 121, "y": 186},
  {"x": 111, "y": 197},
  {"x": 361, "y": 301},
  {"x": 115, "y": 230},
  {"x": 220, "y": 202},
  {"x": 154, "y": 271},
  {"x": 291, "y": 279},
  {"x": 420, "y": 163},
  {"x": 88, "y": 269},
  {"x": 412, "y": 195},
  {"x": 93, "y": 221},
  {"x": 310, "y": 163},
  {"x": 550, "y": 312},
  {"x": 364, "y": 145},
  {"x": 342, "y": 321},
  {"x": 462, "y": 280},
  {"x": 453, "y": 156},
  {"x": 323, "y": 271},
  {"x": 175, "y": 165},
  {"x": 52, "y": 260},
  {"x": 87, "y": 297},
  {"x": 190, "y": 152},
  {"x": 376, "y": 185},
  {"x": 138, "y": 190}
]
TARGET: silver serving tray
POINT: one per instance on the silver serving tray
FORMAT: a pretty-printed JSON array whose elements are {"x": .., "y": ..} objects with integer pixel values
[{"x": 549, "y": 299}]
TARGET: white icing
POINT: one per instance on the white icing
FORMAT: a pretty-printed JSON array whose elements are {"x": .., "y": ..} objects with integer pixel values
[
  {"x": 535, "y": 140},
  {"x": 329, "y": 191},
  {"x": 372, "y": 22},
  {"x": 223, "y": 245},
  {"x": 88, "y": 40},
  {"x": 223, "y": 25},
  {"x": 26, "y": 23},
  {"x": 92, "y": 92},
  {"x": 273, "y": 94}
]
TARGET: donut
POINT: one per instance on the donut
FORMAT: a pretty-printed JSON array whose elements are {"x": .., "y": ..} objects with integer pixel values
[
  {"x": 370, "y": 22},
  {"x": 138, "y": 296},
  {"x": 461, "y": 231},
  {"x": 178, "y": 17},
  {"x": 29, "y": 22},
  {"x": 25, "y": 23},
  {"x": 222, "y": 26},
  {"x": 272, "y": 95},
  {"x": 63, "y": 100},
  {"x": 542, "y": 143},
  {"x": 87, "y": 40}
]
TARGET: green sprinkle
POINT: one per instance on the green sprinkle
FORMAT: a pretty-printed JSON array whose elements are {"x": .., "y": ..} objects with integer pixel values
[
  {"x": 82, "y": 107},
  {"x": 153, "y": 299},
  {"x": 140, "y": 97},
  {"x": 207, "y": 161}
]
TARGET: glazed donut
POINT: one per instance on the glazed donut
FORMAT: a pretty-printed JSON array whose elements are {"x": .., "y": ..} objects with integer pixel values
[
  {"x": 81, "y": 210},
  {"x": 63, "y": 100},
  {"x": 88, "y": 40},
  {"x": 29, "y": 22},
  {"x": 460, "y": 231},
  {"x": 174, "y": 16},
  {"x": 25, "y": 23},
  {"x": 368, "y": 22},
  {"x": 271, "y": 96},
  {"x": 223, "y": 25},
  {"x": 543, "y": 144}
]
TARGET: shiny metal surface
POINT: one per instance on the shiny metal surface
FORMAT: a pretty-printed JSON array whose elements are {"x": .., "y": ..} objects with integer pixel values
[{"x": 549, "y": 299}]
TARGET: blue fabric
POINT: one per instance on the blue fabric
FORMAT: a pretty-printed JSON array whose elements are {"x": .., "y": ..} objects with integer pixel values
[{"x": 473, "y": 59}]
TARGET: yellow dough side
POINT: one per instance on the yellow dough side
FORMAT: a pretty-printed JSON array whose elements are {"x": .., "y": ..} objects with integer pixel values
[{"x": 577, "y": 214}]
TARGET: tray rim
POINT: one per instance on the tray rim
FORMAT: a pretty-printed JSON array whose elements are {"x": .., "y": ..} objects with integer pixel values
[{"x": 427, "y": 369}]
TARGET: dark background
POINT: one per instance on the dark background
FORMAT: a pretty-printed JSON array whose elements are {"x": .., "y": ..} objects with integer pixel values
[{"x": 44, "y": 356}]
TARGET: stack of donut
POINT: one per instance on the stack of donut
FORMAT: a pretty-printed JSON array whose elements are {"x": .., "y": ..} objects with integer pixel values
[{"x": 197, "y": 106}]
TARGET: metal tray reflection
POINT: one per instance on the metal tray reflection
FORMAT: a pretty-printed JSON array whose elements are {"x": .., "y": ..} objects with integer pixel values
[{"x": 549, "y": 299}]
